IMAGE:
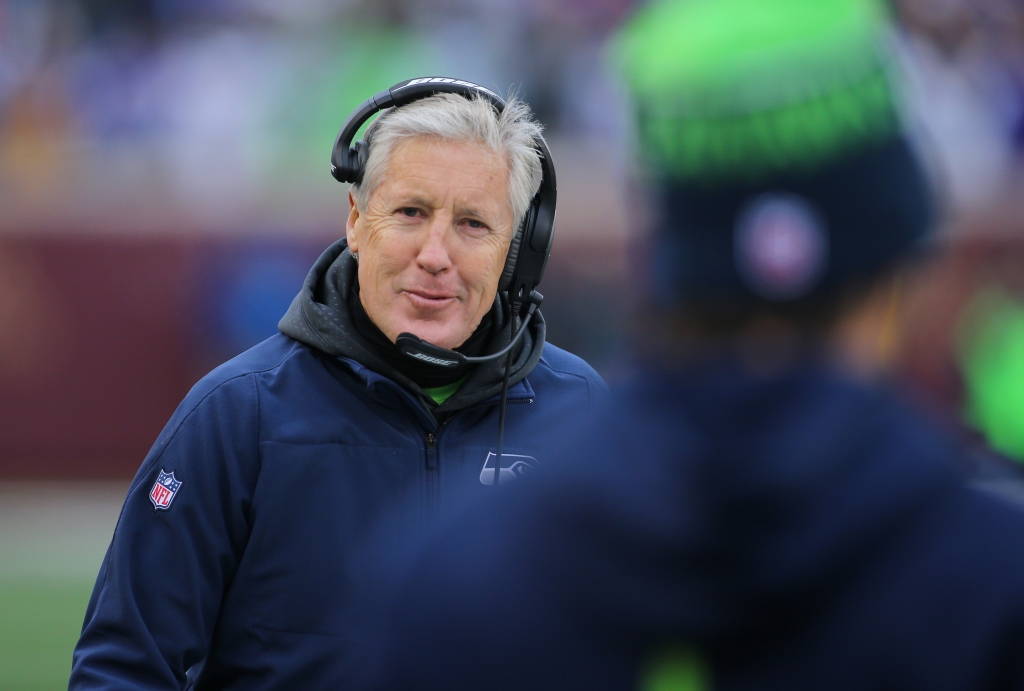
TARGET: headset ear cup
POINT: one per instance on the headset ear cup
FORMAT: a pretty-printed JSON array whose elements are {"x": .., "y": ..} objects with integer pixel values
[
  {"x": 357, "y": 157},
  {"x": 509, "y": 272}
]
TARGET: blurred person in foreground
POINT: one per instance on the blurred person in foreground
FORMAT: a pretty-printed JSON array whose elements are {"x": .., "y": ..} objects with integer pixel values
[
  {"x": 228, "y": 565},
  {"x": 757, "y": 510}
]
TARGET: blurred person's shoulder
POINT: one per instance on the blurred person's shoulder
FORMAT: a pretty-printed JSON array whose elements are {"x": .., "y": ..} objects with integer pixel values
[
  {"x": 994, "y": 471},
  {"x": 636, "y": 431}
]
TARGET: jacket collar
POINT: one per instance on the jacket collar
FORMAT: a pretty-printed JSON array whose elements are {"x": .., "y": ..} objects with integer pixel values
[
  {"x": 382, "y": 389},
  {"x": 319, "y": 317}
]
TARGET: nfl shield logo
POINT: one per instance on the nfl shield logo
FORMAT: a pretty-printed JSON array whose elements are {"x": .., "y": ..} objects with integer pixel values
[{"x": 164, "y": 489}]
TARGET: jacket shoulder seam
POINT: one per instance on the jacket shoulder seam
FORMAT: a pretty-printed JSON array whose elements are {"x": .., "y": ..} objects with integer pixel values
[
  {"x": 259, "y": 432},
  {"x": 183, "y": 420},
  {"x": 588, "y": 380},
  {"x": 192, "y": 410},
  {"x": 584, "y": 377}
]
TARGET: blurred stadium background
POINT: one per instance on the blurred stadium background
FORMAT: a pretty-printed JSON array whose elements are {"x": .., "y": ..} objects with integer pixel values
[{"x": 164, "y": 188}]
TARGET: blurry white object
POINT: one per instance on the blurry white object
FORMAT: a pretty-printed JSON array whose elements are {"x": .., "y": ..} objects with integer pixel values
[{"x": 964, "y": 130}]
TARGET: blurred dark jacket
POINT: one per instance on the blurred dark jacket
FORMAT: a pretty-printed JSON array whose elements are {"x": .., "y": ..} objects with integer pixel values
[
  {"x": 286, "y": 456},
  {"x": 792, "y": 531}
]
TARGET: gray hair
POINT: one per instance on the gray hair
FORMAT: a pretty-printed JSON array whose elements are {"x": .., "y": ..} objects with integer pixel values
[{"x": 456, "y": 118}]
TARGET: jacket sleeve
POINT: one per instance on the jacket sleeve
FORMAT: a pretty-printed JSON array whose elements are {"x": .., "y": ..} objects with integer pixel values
[{"x": 159, "y": 591}]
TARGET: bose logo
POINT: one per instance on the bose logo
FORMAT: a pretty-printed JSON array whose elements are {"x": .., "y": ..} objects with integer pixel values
[
  {"x": 444, "y": 80},
  {"x": 434, "y": 360}
]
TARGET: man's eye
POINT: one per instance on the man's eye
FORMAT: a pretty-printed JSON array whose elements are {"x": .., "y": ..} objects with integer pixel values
[
  {"x": 410, "y": 211},
  {"x": 473, "y": 223}
]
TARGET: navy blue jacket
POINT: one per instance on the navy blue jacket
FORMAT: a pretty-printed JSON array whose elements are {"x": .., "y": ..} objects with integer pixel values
[
  {"x": 286, "y": 456},
  {"x": 798, "y": 531}
]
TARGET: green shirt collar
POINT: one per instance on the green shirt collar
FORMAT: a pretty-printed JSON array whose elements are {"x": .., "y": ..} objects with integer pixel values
[{"x": 442, "y": 393}]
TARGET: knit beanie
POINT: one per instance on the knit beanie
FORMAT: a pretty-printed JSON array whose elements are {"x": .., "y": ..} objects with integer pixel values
[{"x": 771, "y": 134}]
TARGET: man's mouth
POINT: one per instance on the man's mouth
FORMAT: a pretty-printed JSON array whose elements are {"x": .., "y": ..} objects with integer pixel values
[{"x": 429, "y": 299}]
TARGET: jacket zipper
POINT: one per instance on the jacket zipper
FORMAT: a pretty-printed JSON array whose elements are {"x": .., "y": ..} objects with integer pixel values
[
  {"x": 433, "y": 467},
  {"x": 431, "y": 452},
  {"x": 432, "y": 474}
]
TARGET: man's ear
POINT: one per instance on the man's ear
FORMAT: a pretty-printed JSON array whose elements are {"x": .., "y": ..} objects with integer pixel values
[{"x": 350, "y": 225}]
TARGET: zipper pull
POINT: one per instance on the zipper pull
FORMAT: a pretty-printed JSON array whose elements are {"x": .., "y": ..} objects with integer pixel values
[{"x": 431, "y": 452}]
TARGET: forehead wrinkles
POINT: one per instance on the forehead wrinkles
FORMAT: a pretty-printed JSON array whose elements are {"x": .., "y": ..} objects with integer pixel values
[
  {"x": 500, "y": 173},
  {"x": 429, "y": 171}
]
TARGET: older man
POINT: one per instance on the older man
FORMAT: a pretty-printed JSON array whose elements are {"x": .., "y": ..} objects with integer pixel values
[{"x": 228, "y": 565}]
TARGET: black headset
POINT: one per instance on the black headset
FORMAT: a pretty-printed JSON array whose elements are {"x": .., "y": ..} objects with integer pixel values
[{"x": 531, "y": 245}]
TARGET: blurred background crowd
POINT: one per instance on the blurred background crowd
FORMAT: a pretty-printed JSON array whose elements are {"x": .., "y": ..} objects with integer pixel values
[{"x": 164, "y": 188}]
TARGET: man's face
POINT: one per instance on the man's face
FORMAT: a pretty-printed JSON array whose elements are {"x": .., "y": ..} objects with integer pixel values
[{"x": 433, "y": 240}]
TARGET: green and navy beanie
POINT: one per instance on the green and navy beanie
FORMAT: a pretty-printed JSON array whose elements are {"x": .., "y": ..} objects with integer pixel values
[{"x": 771, "y": 133}]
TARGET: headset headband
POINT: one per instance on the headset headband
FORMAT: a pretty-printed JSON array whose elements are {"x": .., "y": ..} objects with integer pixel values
[{"x": 531, "y": 245}]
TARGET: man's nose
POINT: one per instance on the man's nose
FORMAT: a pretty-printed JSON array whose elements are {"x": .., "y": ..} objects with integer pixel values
[{"x": 434, "y": 257}]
